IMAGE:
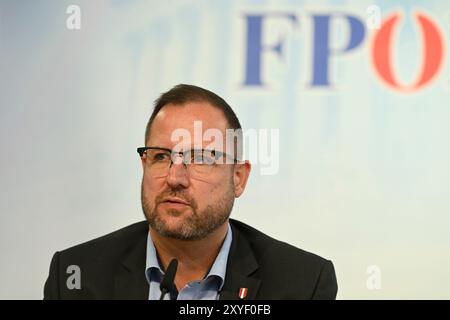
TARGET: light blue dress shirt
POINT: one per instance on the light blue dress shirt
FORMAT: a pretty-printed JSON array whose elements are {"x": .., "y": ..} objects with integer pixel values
[{"x": 205, "y": 289}]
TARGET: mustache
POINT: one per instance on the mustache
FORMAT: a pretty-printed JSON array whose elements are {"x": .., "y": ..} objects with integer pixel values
[{"x": 181, "y": 194}]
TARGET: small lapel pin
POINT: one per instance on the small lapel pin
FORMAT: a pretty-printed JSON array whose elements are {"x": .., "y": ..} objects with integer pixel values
[{"x": 243, "y": 293}]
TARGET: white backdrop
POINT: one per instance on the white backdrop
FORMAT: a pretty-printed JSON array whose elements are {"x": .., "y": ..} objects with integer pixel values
[{"x": 364, "y": 175}]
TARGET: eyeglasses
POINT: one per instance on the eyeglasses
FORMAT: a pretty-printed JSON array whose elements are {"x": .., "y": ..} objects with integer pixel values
[{"x": 197, "y": 161}]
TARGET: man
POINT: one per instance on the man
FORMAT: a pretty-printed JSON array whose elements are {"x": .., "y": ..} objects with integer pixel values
[{"x": 187, "y": 196}]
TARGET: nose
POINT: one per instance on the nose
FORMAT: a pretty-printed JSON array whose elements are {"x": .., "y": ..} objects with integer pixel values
[{"x": 178, "y": 176}]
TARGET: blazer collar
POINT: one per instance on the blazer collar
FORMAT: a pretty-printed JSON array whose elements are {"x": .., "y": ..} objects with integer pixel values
[
  {"x": 240, "y": 267},
  {"x": 129, "y": 280}
]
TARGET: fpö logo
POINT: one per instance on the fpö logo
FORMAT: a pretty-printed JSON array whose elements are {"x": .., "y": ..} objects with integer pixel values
[{"x": 382, "y": 43}]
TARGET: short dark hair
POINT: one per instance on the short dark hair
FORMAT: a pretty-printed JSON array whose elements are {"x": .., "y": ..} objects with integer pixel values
[{"x": 183, "y": 93}]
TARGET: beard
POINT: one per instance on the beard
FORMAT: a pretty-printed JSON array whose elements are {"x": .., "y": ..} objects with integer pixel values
[{"x": 197, "y": 225}]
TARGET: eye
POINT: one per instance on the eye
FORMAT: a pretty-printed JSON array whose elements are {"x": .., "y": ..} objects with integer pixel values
[
  {"x": 192, "y": 157},
  {"x": 159, "y": 157},
  {"x": 197, "y": 157},
  {"x": 209, "y": 157}
]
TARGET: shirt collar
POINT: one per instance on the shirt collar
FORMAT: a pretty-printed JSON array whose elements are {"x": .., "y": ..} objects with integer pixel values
[{"x": 218, "y": 268}]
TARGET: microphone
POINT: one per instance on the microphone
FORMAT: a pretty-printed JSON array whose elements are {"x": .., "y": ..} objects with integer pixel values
[{"x": 169, "y": 277}]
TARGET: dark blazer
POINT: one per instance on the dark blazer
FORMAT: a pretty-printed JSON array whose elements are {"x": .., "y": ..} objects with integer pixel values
[{"x": 113, "y": 267}]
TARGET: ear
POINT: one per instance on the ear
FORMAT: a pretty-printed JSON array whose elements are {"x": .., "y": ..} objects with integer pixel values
[
  {"x": 143, "y": 163},
  {"x": 241, "y": 174}
]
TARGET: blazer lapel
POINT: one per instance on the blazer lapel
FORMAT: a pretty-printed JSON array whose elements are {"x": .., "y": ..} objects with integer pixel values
[
  {"x": 129, "y": 280},
  {"x": 240, "y": 267}
]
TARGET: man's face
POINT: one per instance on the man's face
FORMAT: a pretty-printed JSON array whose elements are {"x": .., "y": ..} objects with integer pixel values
[{"x": 182, "y": 204}]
